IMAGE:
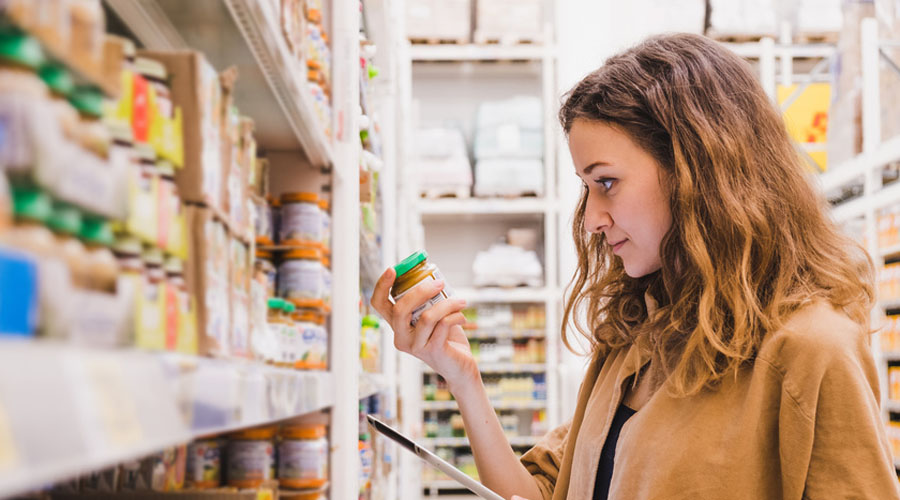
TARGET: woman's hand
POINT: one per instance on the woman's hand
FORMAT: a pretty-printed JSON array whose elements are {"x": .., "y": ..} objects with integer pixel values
[{"x": 438, "y": 338}]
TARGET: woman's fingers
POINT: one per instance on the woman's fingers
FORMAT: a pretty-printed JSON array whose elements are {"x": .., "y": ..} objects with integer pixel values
[
  {"x": 430, "y": 318},
  {"x": 414, "y": 298},
  {"x": 442, "y": 331},
  {"x": 380, "y": 294}
]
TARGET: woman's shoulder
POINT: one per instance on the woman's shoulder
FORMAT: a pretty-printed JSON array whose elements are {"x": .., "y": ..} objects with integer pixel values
[{"x": 817, "y": 334}]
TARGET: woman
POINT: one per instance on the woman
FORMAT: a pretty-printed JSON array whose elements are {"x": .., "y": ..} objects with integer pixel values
[{"x": 729, "y": 318}]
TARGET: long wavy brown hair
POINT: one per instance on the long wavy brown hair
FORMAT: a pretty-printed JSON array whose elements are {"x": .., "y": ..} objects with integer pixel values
[{"x": 750, "y": 242}]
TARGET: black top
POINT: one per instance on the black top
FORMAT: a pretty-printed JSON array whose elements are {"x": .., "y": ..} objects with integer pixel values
[{"x": 608, "y": 454}]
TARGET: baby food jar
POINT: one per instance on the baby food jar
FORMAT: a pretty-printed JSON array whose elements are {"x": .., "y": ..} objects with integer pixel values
[
  {"x": 303, "y": 457},
  {"x": 251, "y": 457},
  {"x": 326, "y": 281},
  {"x": 204, "y": 464},
  {"x": 271, "y": 345},
  {"x": 325, "y": 239},
  {"x": 312, "y": 341},
  {"x": 412, "y": 272},
  {"x": 300, "y": 274},
  {"x": 301, "y": 218}
]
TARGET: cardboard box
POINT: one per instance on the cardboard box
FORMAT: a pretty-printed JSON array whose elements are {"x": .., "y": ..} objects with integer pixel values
[
  {"x": 508, "y": 21},
  {"x": 197, "y": 91},
  {"x": 207, "y": 276}
]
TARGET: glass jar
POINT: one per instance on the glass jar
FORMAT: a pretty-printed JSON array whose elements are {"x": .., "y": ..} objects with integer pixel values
[
  {"x": 326, "y": 280},
  {"x": 300, "y": 275},
  {"x": 412, "y": 272},
  {"x": 250, "y": 457},
  {"x": 303, "y": 457},
  {"x": 271, "y": 344},
  {"x": 204, "y": 464},
  {"x": 290, "y": 344},
  {"x": 301, "y": 219}
]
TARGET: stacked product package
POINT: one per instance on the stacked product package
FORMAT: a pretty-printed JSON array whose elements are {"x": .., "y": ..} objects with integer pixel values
[{"x": 509, "y": 148}]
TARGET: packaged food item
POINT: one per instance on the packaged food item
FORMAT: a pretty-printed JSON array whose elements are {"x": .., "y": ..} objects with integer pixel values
[
  {"x": 5, "y": 204},
  {"x": 301, "y": 218},
  {"x": 150, "y": 332},
  {"x": 303, "y": 457},
  {"x": 207, "y": 274},
  {"x": 326, "y": 281},
  {"x": 251, "y": 457},
  {"x": 269, "y": 345},
  {"x": 300, "y": 275},
  {"x": 204, "y": 464},
  {"x": 18, "y": 294},
  {"x": 264, "y": 271},
  {"x": 102, "y": 268},
  {"x": 324, "y": 207},
  {"x": 414, "y": 271},
  {"x": 290, "y": 339},
  {"x": 65, "y": 222},
  {"x": 144, "y": 195},
  {"x": 240, "y": 278},
  {"x": 167, "y": 204},
  {"x": 313, "y": 339},
  {"x": 263, "y": 222},
  {"x": 127, "y": 251}
]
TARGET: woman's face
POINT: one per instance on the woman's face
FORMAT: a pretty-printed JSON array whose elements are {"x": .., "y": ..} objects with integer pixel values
[{"x": 625, "y": 201}]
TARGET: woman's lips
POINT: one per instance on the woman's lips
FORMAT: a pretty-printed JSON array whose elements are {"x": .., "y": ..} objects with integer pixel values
[{"x": 617, "y": 246}]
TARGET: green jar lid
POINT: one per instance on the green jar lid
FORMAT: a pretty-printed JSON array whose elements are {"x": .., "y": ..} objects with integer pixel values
[
  {"x": 57, "y": 78},
  {"x": 87, "y": 100},
  {"x": 31, "y": 203},
  {"x": 65, "y": 219},
  {"x": 19, "y": 48},
  {"x": 289, "y": 307},
  {"x": 98, "y": 231},
  {"x": 276, "y": 303},
  {"x": 410, "y": 262},
  {"x": 370, "y": 321}
]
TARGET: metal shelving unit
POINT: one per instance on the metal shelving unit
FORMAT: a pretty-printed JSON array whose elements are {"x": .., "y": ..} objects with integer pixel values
[
  {"x": 498, "y": 405},
  {"x": 505, "y": 368}
]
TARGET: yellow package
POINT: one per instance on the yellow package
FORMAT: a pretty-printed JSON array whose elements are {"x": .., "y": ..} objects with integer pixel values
[{"x": 151, "y": 311}]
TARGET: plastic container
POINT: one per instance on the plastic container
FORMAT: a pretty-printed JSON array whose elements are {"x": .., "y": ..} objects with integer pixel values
[
  {"x": 414, "y": 271},
  {"x": 204, "y": 464},
  {"x": 300, "y": 275},
  {"x": 327, "y": 281},
  {"x": 325, "y": 239},
  {"x": 271, "y": 344},
  {"x": 312, "y": 340},
  {"x": 303, "y": 457},
  {"x": 251, "y": 457},
  {"x": 290, "y": 342},
  {"x": 301, "y": 219}
]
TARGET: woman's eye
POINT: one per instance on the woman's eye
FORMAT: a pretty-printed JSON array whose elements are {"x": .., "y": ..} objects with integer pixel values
[{"x": 606, "y": 183}]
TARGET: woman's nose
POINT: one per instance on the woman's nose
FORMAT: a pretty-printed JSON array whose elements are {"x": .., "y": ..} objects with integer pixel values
[{"x": 596, "y": 216}]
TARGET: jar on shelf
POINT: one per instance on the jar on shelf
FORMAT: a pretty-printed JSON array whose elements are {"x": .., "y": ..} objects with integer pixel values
[
  {"x": 303, "y": 457},
  {"x": 271, "y": 344},
  {"x": 301, "y": 219},
  {"x": 264, "y": 271},
  {"x": 204, "y": 464},
  {"x": 326, "y": 280},
  {"x": 263, "y": 227},
  {"x": 324, "y": 207},
  {"x": 275, "y": 210},
  {"x": 312, "y": 339},
  {"x": 300, "y": 275},
  {"x": 291, "y": 337},
  {"x": 250, "y": 457},
  {"x": 102, "y": 268},
  {"x": 65, "y": 222},
  {"x": 414, "y": 271}
]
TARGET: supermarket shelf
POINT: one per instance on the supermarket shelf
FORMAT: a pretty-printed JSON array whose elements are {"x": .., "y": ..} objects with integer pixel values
[
  {"x": 65, "y": 411},
  {"x": 482, "y": 206},
  {"x": 500, "y": 405},
  {"x": 474, "y": 52},
  {"x": 505, "y": 368},
  {"x": 369, "y": 259},
  {"x": 754, "y": 49},
  {"x": 504, "y": 295},
  {"x": 371, "y": 384},
  {"x": 891, "y": 405},
  {"x": 480, "y": 334},
  {"x": 245, "y": 34},
  {"x": 517, "y": 441}
]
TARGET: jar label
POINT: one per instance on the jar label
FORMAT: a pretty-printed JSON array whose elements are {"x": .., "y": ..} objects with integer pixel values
[
  {"x": 301, "y": 221},
  {"x": 204, "y": 462},
  {"x": 301, "y": 459},
  {"x": 300, "y": 279},
  {"x": 250, "y": 460}
]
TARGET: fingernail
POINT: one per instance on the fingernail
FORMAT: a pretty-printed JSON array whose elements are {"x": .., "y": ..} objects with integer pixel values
[
  {"x": 461, "y": 302},
  {"x": 439, "y": 284}
]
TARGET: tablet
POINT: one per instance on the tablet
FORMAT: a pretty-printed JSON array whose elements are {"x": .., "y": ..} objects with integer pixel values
[{"x": 458, "y": 475}]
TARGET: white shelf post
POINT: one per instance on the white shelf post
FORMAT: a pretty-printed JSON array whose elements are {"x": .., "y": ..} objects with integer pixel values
[{"x": 345, "y": 322}]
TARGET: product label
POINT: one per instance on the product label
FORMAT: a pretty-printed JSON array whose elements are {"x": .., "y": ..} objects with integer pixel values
[
  {"x": 250, "y": 460},
  {"x": 299, "y": 459},
  {"x": 444, "y": 294},
  {"x": 313, "y": 345},
  {"x": 300, "y": 279},
  {"x": 204, "y": 462},
  {"x": 301, "y": 221}
]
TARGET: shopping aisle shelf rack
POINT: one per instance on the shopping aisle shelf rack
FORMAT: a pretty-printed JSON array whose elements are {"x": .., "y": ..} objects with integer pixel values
[
  {"x": 515, "y": 441},
  {"x": 504, "y": 368},
  {"x": 533, "y": 404},
  {"x": 483, "y": 206},
  {"x": 66, "y": 411},
  {"x": 473, "y": 52},
  {"x": 246, "y": 34}
]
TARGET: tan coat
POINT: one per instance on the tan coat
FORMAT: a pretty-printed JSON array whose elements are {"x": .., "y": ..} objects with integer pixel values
[{"x": 802, "y": 422}]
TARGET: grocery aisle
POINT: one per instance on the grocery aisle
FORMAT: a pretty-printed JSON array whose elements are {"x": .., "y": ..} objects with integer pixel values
[{"x": 197, "y": 198}]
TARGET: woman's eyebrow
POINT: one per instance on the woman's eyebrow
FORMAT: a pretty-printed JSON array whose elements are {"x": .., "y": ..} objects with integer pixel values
[{"x": 587, "y": 169}]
